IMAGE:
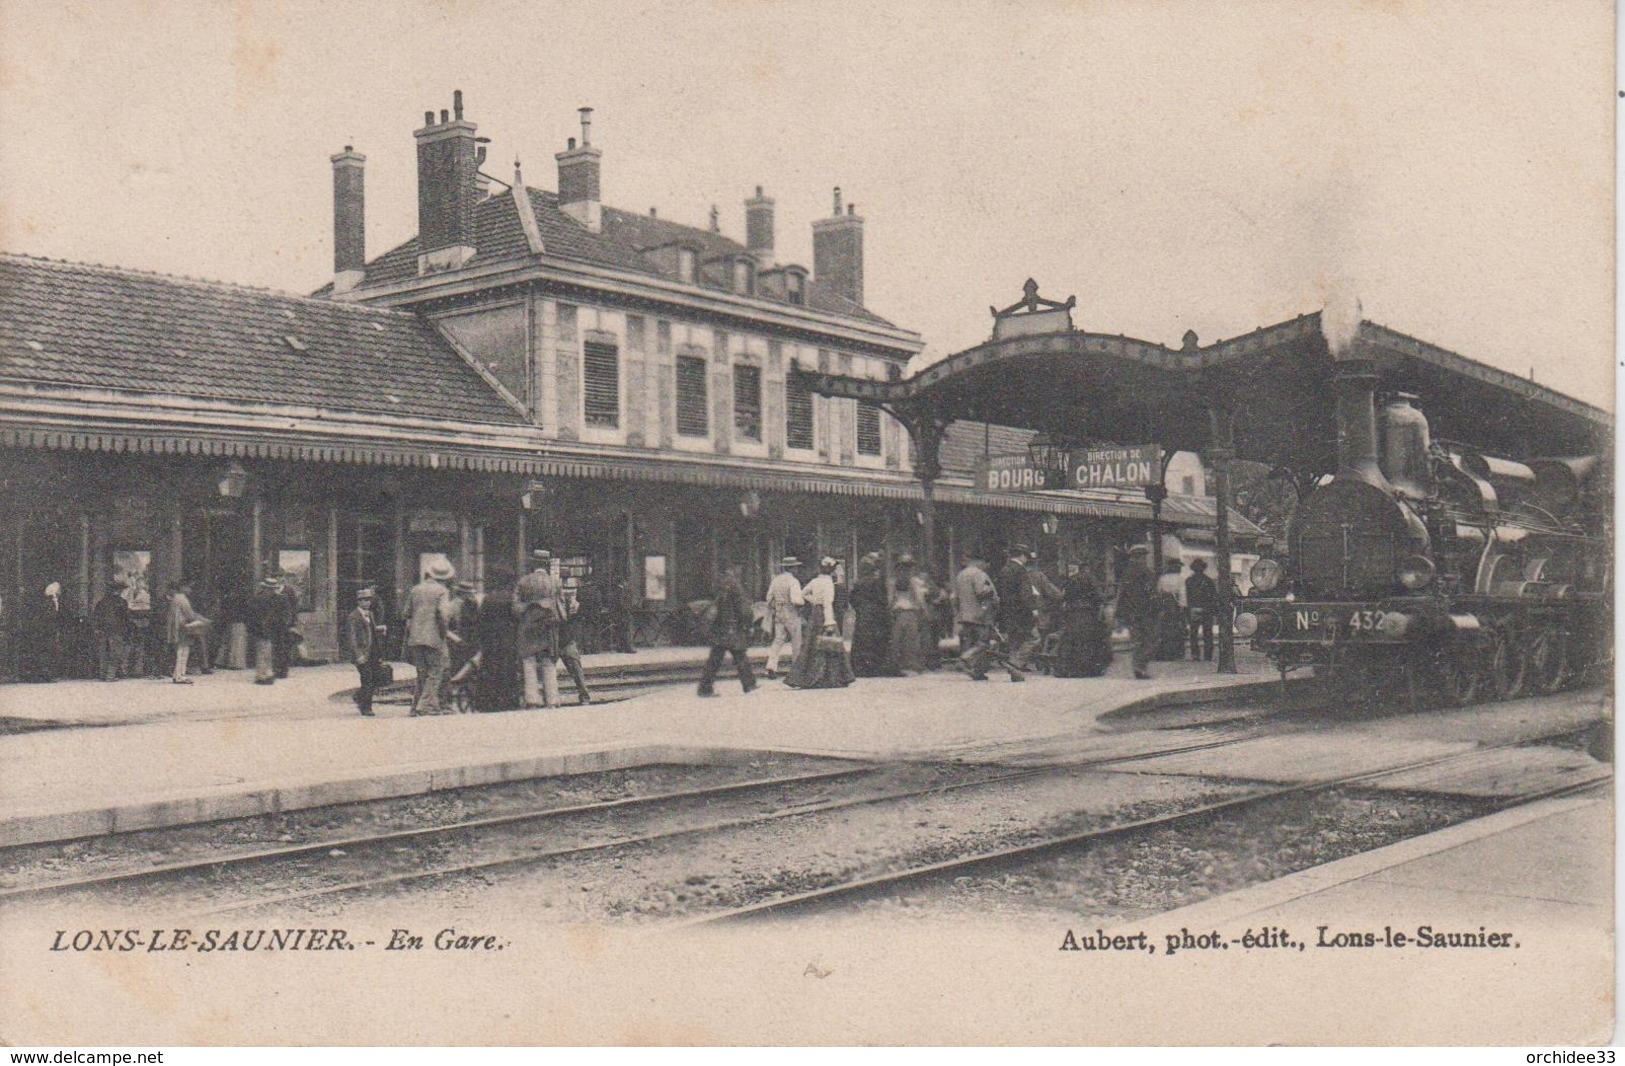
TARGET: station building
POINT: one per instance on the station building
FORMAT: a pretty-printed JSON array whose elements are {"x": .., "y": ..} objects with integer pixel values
[{"x": 533, "y": 368}]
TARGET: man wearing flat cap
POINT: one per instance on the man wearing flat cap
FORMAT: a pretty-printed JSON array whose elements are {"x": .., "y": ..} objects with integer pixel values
[
  {"x": 784, "y": 603},
  {"x": 1137, "y": 607},
  {"x": 365, "y": 637}
]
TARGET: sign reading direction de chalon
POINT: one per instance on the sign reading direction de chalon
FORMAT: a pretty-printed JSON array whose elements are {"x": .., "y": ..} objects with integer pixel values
[
  {"x": 1087, "y": 468},
  {"x": 1116, "y": 468}
]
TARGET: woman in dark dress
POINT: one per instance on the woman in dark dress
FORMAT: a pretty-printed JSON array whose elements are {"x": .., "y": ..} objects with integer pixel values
[
  {"x": 872, "y": 634},
  {"x": 1086, "y": 649},
  {"x": 823, "y": 662},
  {"x": 40, "y": 641},
  {"x": 499, "y": 686}
]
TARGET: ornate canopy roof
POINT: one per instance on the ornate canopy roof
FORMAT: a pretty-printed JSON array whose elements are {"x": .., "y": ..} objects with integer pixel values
[{"x": 1092, "y": 387}]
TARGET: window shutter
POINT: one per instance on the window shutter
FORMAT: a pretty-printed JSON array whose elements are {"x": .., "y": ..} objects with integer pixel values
[
  {"x": 798, "y": 413},
  {"x": 692, "y": 412},
  {"x": 748, "y": 402},
  {"x": 868, "y": 428},
  {"x": 601, "y": 372}
]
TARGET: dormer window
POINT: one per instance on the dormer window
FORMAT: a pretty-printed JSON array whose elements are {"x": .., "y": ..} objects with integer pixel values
[
  {"x": 686, "y": 261},
  {"x": 744, "y": 277}
]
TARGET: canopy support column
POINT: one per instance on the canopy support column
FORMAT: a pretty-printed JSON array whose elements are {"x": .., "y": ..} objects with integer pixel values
[
  {"x": 1157, "y": 494},
  {"x": 927, "y": 431},
  {"x": 1220, "y": 453}
]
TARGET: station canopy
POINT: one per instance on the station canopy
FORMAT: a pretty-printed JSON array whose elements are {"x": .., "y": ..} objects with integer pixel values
[{"x": 1039, "y": 373}]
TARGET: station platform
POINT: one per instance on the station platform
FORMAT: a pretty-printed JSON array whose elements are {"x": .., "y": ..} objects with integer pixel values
[
  {"x": 120, "y": 756},
  {"x": 1539, "y": 878}
]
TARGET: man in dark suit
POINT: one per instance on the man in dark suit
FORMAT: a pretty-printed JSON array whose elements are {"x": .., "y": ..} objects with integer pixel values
[
  {"x": 288, "y": 635},
  {"x": 1202, "y": 607},
  {"x": 729, "y": 632},
  {"x": 569, "y": 643},
  {"x": 111, "y": 620},
  {"x": 1017, "y": 606},
  {"x": 365, "y": 636},
  {"x": 1137, "y": 607},
  {"x": 266, "y": 619}
]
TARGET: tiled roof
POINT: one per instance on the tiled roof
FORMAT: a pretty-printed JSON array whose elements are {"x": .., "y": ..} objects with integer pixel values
[
  {"x": 621, "y": 243},
  {"x": 642, "y": 232},
  {"x": 80, "y": 326},
  {"x": 963, "y": 444}
]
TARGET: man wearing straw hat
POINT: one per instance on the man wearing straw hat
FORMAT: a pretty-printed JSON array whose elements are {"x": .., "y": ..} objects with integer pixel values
[
  {"x": 265, "y": 622},
  {"x": 428, "y": 613},
  {"x": 784, "y": 602}
]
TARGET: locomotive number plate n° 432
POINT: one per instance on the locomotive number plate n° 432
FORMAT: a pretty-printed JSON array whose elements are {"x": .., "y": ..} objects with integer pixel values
[{"x": 1330, "y": 620}]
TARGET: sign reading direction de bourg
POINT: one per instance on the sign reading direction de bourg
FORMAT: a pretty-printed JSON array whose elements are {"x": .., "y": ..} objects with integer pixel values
[
  {"x": 1008, "y": 473},
  {"x": 1092, "y": 468}
]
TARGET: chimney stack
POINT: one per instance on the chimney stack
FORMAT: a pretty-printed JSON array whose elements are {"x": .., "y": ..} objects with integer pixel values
[
  {"x": 759, "y": 228},
  {"x": 578, "y": 178},
  {"x": 838, "y": 251},
  {"x": 1355, "y": 382},
  {"x": 448, "y": 189},
  {"x": 349, "y": 220}
]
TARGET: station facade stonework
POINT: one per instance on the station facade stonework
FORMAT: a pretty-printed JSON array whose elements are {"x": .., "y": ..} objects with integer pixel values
[{"x": 532, "y": 369}]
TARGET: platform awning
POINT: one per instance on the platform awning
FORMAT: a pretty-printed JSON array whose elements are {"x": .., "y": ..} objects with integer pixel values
[
  {"x": 744, "y": 474},
  {"x": 1098, "y": 387}
]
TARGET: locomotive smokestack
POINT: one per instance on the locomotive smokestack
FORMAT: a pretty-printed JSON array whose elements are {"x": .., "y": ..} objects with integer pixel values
[{"x": 1356, "y": 384}]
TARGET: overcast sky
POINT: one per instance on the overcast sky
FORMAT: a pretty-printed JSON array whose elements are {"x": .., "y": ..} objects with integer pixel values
[{"x": 1213, "y": 166}]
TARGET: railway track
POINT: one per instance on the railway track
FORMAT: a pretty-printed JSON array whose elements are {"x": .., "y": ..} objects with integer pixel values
[
  {"x": 348, "y": 846},
  {"x": 266, "y": 864},
  {"x": 879, "y": 884}
]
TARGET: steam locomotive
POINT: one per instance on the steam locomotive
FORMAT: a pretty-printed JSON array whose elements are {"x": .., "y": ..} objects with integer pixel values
[{"x": 1433, "y": 571}]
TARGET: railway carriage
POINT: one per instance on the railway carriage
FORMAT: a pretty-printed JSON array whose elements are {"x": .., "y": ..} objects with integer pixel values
[{"x": 1430, "y": 571}]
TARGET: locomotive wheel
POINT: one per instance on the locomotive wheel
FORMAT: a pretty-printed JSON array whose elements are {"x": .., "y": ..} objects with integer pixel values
[
  {"x": 1508, "y": 662},
  {"x": 1548, "y": 660},
  {"x": 1459, "y": 672},
  {"x": 1583, "y": 661}
]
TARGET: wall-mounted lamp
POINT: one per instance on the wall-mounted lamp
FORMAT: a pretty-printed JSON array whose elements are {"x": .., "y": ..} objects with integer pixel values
[
  {"x": 1051, "y": 455},
  {"x": 233, "y": 481}
]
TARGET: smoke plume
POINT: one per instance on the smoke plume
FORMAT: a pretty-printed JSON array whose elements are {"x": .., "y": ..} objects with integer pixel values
[{"x": 1340, "y": 318}]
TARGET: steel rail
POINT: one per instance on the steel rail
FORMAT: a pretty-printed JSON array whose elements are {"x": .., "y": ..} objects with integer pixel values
[
  {"x": 263, "y": 855},
  {"x": 420, "y": 832},
  {"x": 877, "y": 883},
  {"x": 454, "y": 869}
]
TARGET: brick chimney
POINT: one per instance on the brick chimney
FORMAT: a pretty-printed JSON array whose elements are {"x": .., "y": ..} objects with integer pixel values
[
  {"x": 448, "y": 160},
  {"x": 759, "y": 228},
  {"x": 578, "y": 178},
  {"x": 349, "y": 220},
  {"x": 838, "y": 251}
]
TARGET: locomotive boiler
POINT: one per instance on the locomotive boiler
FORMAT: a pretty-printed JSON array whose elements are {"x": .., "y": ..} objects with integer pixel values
[{"x": 1433, "y": 571}]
